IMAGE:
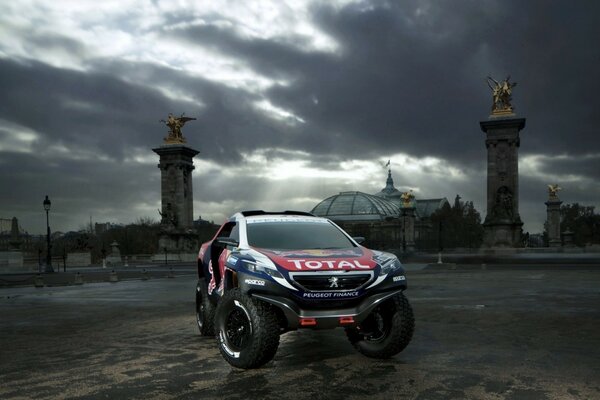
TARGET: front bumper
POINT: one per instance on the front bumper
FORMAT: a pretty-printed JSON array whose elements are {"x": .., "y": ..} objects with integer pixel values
[{"x": 325, "y": 318}]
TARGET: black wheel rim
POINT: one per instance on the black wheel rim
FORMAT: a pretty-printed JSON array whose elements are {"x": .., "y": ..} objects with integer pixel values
[
  {"x": 377, "y": 326},
  {"x": 238, "y": 329}
]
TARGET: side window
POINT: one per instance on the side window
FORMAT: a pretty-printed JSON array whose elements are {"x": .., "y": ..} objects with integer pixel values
[
  {"x": 235, "y": 232},
  {"x": 230, "y": 230},
  {"x": 226, "y": 230}
]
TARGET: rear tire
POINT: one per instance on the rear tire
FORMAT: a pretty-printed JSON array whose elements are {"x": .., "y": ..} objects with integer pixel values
[
  {"x": 386, "y": 331},
  {"x": 205, "y": 310},
  {"x": 247, "y": 330}
]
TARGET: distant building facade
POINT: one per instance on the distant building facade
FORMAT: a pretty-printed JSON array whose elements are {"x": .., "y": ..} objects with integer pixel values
[{"x": 380, "y": 217}]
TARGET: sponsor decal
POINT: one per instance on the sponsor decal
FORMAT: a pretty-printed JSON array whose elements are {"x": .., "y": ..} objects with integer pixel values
[
  {"x": 323, "y": 259},
  {"x": 328, "y": 264},
  {"x": 399, "y": 278},
  {"x": 256, "y": 282},
  {"x": 232, "y": 260},
  {"x": 329, "y": 295},
  {"x": 212, "y": 283}
]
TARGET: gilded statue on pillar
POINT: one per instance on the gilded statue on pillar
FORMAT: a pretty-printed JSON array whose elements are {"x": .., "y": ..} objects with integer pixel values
[
  {"x": 175, "y": 124},
  {"x": 407, "y": 199},
  {"x": 553, "y": 191},
  {"x": 502, "y": 95}
]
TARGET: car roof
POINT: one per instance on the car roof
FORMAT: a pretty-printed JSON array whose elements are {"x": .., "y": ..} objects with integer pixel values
[{"x": 266, "y": 216}]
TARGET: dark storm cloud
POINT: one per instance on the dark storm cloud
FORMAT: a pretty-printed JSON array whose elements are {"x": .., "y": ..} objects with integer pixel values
[
  {"x": 78, "y": 189},
  {"x": 228, "y": 125},
  {"x": 95, "y": 111},
  {"x": 414, "y": 82},
  {"x": 408, "y": 77},
  {"x": 101, "y": 120},
  {"x": 584, "y": 166},
  {"x": 101, "y": 111}
]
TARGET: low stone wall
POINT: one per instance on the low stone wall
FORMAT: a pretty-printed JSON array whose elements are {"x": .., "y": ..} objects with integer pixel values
[
  {"x": 79, "y": 259},
  {"x": 10, "y": 260},
  {"x": 175, "y": 257}
]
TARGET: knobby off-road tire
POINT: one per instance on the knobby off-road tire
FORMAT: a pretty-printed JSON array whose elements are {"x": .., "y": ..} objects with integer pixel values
[
  {"x": 247, "y": 330},
  {"x": 387, "y": 330},
  {"x": 205, "y": 310}
]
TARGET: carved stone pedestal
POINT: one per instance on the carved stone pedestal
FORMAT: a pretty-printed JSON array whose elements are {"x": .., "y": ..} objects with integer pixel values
[
  {"x": 567, "y": 238},
  {"x": 114, "y": 258},
  {"x": 503, "y": 225},
  {"x": 177, "y": 196},
  {"x": 177, "y": 241},
  {"x": 502, "y": 234},
  {"x": 177, "y": 247},
  {"x": 553, "y": 222},
  {"x": 408, "y": 229}
]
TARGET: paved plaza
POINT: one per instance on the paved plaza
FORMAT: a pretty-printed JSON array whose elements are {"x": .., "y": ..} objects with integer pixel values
[{"x": 505, "y": 333}]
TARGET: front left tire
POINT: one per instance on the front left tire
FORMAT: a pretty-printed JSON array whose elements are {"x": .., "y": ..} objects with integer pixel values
[{"x": 247, "y": 330}]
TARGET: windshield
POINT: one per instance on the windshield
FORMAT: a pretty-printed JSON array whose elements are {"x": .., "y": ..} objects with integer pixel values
[{"x": 296, "y": 235}]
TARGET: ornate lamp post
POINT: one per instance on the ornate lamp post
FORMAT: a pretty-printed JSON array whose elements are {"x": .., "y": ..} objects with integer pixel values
[
  {"x": 403, "y": 230},
  {"x": 47, "y": 204}
]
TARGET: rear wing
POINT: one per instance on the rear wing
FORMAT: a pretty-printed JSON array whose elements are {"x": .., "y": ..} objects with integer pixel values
[{"x": 252, "y": 213}]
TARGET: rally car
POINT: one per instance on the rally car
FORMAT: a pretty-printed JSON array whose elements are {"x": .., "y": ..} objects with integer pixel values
[{"x": 264, "y": 274}]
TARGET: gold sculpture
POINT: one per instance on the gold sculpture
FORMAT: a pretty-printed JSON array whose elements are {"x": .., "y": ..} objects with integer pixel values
[
  {"x": 175, "y": 124},
  {"x": 502, "y": 95},
  {"x": 407, "y": 198},
  {"x": 553, "y": 191}
]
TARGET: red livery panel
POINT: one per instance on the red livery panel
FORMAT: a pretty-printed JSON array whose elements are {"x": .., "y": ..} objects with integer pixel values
[{"x": 321, "y": 260}]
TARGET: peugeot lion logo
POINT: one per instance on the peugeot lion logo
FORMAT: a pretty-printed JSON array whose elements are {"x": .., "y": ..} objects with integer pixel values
[{"x": 333, "y": 281}]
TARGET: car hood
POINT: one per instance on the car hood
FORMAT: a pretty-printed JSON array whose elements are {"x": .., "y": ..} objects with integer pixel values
[{"x": 351, "y": 259}]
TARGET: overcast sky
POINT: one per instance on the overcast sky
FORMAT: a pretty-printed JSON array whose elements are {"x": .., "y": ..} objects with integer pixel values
[{"x": 296, "y": 101}]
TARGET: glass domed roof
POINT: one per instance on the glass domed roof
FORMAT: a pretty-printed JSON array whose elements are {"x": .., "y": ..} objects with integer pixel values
[{"x": 350, "y": 206}]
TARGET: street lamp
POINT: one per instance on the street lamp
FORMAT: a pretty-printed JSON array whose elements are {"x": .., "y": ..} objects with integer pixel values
[
  {"x": 440, "y": 242},
  {"x": 403, "y": 230},
  {"x": 47, "y": 204}
]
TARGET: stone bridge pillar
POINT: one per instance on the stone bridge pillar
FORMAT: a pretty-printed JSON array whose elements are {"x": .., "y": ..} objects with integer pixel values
[{"x": 502, "y": 225}]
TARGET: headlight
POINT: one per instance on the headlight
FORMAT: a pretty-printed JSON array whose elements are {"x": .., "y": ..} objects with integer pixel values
[
  {"x": 254, "y": 266},
  {"x": 387, "y": 261},
  {"x": 392, "y": 265}
]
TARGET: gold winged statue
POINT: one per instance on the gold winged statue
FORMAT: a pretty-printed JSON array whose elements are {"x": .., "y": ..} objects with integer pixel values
[
  {"x": 407, "y": 198},
  {"x": 553, "y": 191},
  {"x": 502, "y": 95},
  {"x": 175, "y": 124}
]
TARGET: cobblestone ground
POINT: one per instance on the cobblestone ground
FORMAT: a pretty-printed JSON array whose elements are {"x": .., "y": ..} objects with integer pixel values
[{"x": 508, "y": 334}]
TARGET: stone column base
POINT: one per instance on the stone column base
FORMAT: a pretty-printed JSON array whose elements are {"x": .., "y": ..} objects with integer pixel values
[
  {"x": 555, "y": 243},
  {"x": 498, "y": 234},
  {"x": 178, "y": 242}
]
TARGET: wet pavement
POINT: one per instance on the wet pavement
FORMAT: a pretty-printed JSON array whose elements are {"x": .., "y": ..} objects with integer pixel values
[{"x": 480, "y": 334}]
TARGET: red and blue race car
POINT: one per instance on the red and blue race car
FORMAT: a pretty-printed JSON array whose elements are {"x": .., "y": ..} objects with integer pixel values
[{"x": 264, "y": 274}]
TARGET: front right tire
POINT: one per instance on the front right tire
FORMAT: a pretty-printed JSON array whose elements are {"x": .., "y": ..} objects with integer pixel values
[
  {"x": 247, "y": 330},
  {"x": 386, "y": 331}
]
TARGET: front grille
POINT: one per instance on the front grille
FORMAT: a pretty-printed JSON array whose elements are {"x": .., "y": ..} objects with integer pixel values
[{"x": 328, "y": 282}]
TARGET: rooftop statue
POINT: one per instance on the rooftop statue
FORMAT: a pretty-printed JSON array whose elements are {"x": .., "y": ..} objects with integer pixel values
[
  {"x": 407, "y": 198},
  {"x": 502, "y": 95},
  {"x": 553, "y": 191},
  {"x": 175, "y": 124}
]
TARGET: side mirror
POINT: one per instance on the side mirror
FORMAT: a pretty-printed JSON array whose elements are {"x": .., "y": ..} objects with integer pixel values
[
  {"x": 359, "y": 239},
  {"x": 227, "y": 241}
]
